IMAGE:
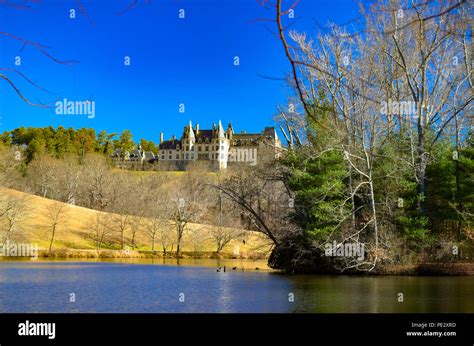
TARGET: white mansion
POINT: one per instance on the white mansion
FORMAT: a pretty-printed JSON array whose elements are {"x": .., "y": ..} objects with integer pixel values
[
  {"x": 218, "y": 146},
  {"x": 215, "y": 146}
]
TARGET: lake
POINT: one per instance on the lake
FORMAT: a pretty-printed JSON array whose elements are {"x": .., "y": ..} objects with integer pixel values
[{"x": 196, "y": 286}]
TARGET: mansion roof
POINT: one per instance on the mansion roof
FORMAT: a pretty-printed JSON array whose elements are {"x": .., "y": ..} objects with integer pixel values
[
  {"x": 171, "y": 144},
  {"x": 206, "y": 136}
]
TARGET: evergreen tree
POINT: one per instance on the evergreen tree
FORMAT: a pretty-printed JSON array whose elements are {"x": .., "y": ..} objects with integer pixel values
[{"x": 318, "y": 177}]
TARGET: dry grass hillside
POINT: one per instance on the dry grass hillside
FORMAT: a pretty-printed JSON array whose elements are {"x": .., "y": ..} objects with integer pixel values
[{"x": 76, "y": 232}]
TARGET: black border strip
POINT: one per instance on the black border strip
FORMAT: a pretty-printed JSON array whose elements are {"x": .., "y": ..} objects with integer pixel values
[{"x": 221, "y": 329}]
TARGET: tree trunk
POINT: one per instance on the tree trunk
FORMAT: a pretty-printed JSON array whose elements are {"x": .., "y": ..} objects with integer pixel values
[
  {"x": 8, "y": 234},
  {"x": 422, "y": 163},
  {"x": 52, "y": 239},
  {"x": 374, "y": 213},
  {"x": 180, "y": 237}
]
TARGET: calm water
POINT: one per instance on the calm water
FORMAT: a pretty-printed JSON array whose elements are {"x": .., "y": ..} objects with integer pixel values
[{"x": 143, "y": 286}]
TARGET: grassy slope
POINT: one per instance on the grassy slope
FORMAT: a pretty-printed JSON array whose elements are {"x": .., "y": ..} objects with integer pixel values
[{"x": 75, "y": 232}]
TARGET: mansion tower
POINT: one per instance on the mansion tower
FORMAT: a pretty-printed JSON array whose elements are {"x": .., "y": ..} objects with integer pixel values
[{"x": 217, "y": 145}]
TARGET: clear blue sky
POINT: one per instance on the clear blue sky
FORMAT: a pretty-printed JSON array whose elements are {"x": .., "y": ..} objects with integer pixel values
[{"x": 173, "y": 61}]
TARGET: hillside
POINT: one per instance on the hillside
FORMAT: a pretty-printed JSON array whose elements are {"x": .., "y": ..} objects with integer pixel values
[{"x": 76, "y": 231}]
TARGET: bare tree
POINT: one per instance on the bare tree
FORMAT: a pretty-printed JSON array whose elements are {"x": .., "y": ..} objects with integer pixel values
[
  {"x": 13, "y": 209},
  {"x": 57, "y": 215},
  {"x": 186, "y": 203},
  {"x": 69, "y": 179},
  {"x": 153, "y": 226},
  {"x": 138, "y": 208},
  {"x": 102, "y": 228},
  {"x": 136, "y": 223},
  {"x": 226, "y": 223},
  {"x": 98, "y": 181},
  {"x": 128, "y": 202},
  {"x": 263, "y": 199},
  {"x": 414, "y": 56},
  {"x": 158, "y": 227},
  {"x": 122, "y": 220},
  {"x": 43, "y": 173},
  {"x": 10, "y": 159},
  {"x": 165, "y": 235}
]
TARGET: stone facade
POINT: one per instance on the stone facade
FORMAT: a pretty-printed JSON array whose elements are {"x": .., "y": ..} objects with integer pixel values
[{"x": 217, "y": 146}]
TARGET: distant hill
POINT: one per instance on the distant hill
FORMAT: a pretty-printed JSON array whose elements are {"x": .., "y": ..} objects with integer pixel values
[{"x": 76, "y": 231}]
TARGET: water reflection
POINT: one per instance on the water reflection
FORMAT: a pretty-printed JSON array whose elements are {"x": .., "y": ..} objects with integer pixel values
[
  {"x": 380, "y": 294},
  {"x": 156, "y": 285}
]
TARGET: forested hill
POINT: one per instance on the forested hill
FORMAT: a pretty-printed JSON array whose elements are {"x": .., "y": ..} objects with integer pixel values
[{"x": 61, "y": 141}]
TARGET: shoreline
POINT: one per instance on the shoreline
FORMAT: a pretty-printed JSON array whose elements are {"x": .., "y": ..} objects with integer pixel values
[
  {"x": 87, "y": 253},
  {"x": 415, "y": 269},
  {"x": 430, "y": 269}
]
